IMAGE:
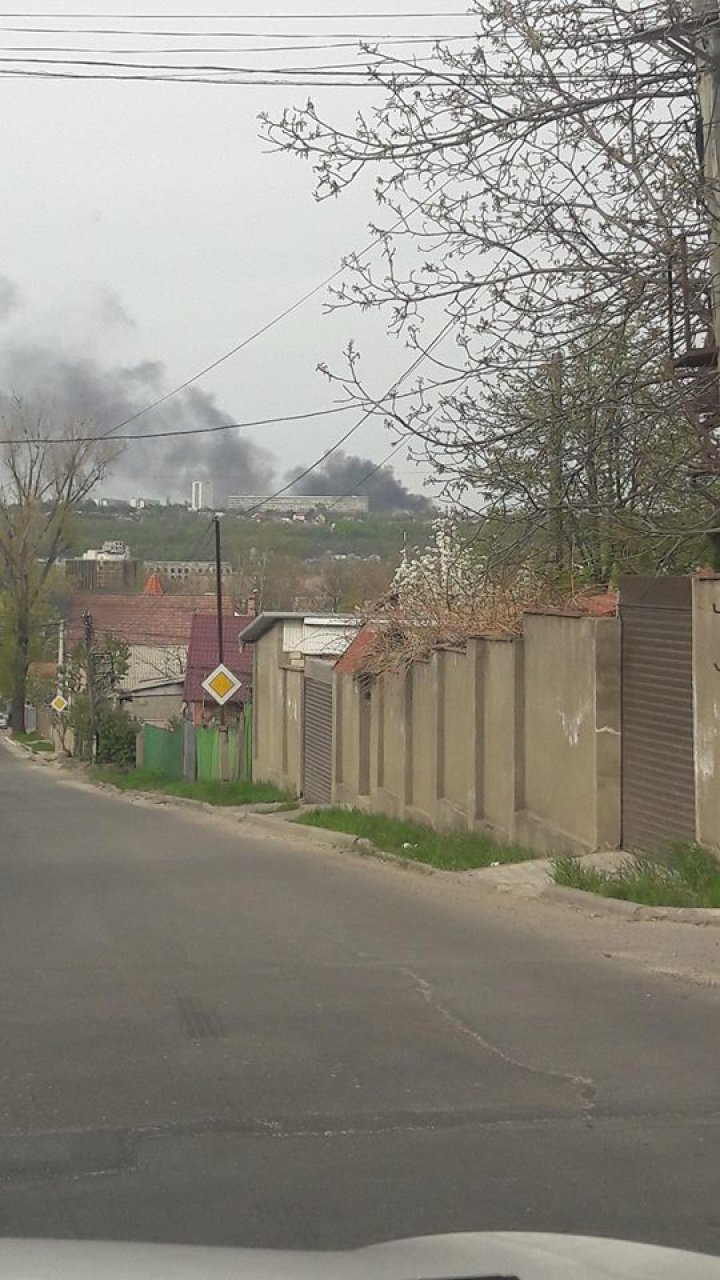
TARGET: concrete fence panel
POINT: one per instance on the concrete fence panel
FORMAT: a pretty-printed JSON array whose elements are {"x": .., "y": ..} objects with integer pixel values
[
  {"x": 455, "y": 723},
  {"x": 706, "y": 693},
  {"x": 571, "y": 700},
  {"x": 495, "y": 758},
  {"x": 519, "y": 738}
]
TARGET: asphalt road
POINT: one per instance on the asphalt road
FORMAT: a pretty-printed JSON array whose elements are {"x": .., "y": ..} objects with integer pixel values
[{"x": 215, "y": 1037}]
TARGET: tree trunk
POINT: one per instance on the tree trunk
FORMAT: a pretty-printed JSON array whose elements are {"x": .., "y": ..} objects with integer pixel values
[{"x": 21, "y": 661}]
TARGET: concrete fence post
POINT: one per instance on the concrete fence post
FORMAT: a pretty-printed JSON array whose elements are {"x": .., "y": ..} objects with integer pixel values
[
  {"x": 408, "y": 745},
  {"x": 476, "y": 665},
  {"x": 437, "y": 743},
  {"x": 608, "y": 781}
]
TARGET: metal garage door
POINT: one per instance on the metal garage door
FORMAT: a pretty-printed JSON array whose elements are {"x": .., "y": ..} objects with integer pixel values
[
  {"x": 658, "y": 764},
  {"x": 318, "y": 733}
]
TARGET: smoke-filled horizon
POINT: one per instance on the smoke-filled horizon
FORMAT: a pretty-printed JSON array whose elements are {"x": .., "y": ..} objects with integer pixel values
[
  {"x": 348, "y": 474},
  {"x": 70, "y": 389}
]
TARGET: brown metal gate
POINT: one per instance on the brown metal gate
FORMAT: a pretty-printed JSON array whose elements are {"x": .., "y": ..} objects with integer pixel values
[
  {"x": 318, "y": 733},
  {"x": 658, "y": 761}
]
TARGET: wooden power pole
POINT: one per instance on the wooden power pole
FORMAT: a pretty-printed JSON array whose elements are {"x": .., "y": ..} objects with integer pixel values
[
  {"x": 90, "y": 676},
  {"x": 707, "y": 43}
]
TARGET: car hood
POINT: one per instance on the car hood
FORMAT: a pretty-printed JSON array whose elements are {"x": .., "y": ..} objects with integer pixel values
[{"x": 451, "y": 1257}]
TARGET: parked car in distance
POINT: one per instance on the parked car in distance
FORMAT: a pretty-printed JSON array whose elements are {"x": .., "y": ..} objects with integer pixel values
[{"x": 4, "y": 721}]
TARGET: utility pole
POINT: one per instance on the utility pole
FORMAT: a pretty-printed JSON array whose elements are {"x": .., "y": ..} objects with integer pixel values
[
  {"x": 218, "y": 590},
  {"x": 708, "y": 66},
  {"x": 221, "y": 644},
  {"x": 88, "y": 623},
  {"x": 556, "y": 445}
]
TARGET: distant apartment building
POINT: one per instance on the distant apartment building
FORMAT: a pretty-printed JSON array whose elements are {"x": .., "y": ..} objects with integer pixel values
[
  {"x": 103, "y": 575},
  {"x": 182, "y": 570},
  {"x": 201, "y": 497},
  {"x": 113, "y": 550},
  {"x": 125, "y": 504},
  {"x": 290, "y": 504},
  {"x": 143, "y": 504}
]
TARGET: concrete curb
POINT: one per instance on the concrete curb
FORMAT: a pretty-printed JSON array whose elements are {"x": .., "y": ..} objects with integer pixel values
[
  {"x": 357, "y": 845},
  {"x": 266, "y": 823},
  {"x": 24, "y": 753},
  {"x": 595, "y": 904},
  {"x": 279, "y": 825},
  {"x": 237, "y": 813}
]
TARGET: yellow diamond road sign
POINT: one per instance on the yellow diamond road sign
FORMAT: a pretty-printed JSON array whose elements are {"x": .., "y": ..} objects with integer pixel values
[
  {"x": 221, "y": 684},
  {"x": 59, "y": 703}
]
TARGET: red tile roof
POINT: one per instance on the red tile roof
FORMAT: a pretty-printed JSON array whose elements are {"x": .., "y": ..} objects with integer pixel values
[
  {"x": 203, "y": 655},
  {"x": 603, "y": 605},
  {"x": 137, "y": 619},
  {"x": 153, "y": 586},
  {"x": 353, "y": 659}
]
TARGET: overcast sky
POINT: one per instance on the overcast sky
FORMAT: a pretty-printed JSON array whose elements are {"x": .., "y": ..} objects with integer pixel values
[{"x": 146, "y": 222}]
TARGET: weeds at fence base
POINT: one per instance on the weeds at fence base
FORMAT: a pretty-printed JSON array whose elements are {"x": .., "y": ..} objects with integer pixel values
[
  {"x": 210, "y": 792},
  {"x": 684, "y": 875},
  {"x": 449, "y": 851}
]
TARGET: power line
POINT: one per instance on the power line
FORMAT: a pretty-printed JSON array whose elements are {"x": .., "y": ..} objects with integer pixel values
[
  {"x": 228, "y": 354},
  {"x": 361, "y": 421},
  {"x": 396, "y": 449},
  {"x": 129, "y": 78},
  {"x": 345, "y": 75},
  {"x": 193, "y": 35},
  {"x": 340, "y": 70},
  {"x": 247, "y": 17},
  {"x": 368, "y": 476},
  {"x": 372, "y": 244},
  {"x": 289, "y": 48},
  {"x": 185, "y": 431}
]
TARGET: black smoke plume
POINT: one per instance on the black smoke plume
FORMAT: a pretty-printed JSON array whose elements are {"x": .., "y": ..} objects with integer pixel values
[
  {"x": 67, "y": 389},
  {"x": 344, "y": 473}
]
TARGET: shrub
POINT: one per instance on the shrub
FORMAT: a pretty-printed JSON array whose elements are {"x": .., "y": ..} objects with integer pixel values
[{"x": 116, "y": 737}]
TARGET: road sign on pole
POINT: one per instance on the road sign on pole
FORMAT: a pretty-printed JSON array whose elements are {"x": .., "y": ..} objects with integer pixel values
[
  {"x": 59, "y": 703},
  {"x": 221, "y": 684}
]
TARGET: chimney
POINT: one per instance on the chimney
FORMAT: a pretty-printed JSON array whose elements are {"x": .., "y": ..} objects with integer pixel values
[{"x": 251, "y": 607}]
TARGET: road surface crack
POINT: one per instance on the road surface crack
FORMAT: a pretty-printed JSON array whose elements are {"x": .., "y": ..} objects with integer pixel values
[{"x": 584, "y": 1087}]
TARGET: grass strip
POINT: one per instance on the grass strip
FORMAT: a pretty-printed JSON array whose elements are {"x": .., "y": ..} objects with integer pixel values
[
  {"x": 449, "y": 851},
  {"x": 219, "y": 793},
  {"x": 683, "y": 875}
]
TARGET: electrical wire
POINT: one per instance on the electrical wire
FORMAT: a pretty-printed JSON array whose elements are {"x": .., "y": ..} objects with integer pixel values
[
  {"x": 185, "y": 431},
  {"x": 288, "y": 48},
  {"x": 17, "y": 74},
  {"x": 356, "y": 427},
  {"x": 340, "y": 70},
  {"x": 193, "y": 35},
  {"x": 247, "y": 17},
  {"x": 311, "y": 293},
  {"x": 368, "y": 476},
  {"x": 257, "y": 333}
]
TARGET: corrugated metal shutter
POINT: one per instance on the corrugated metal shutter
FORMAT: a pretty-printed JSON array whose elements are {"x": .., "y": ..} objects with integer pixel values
[
  {"x": 317, "y": 788},
  {"x": 658, "y": 757}
]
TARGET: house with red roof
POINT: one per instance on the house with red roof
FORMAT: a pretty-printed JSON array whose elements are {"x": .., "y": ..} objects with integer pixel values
[
  {"x": 203, "y": 657},
  {"x": 156, "y": 628}
]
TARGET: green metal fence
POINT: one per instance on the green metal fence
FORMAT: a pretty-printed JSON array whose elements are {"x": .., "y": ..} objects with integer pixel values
[
  {"x": 207, "y": 743},
  {"x": 234, "y": 754},
  {"x": 163, "y": 750},
  {"x": 189, "y": 752}
]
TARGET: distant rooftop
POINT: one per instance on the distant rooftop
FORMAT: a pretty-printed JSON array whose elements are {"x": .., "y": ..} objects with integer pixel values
[{"x": 203, "y": 655}]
